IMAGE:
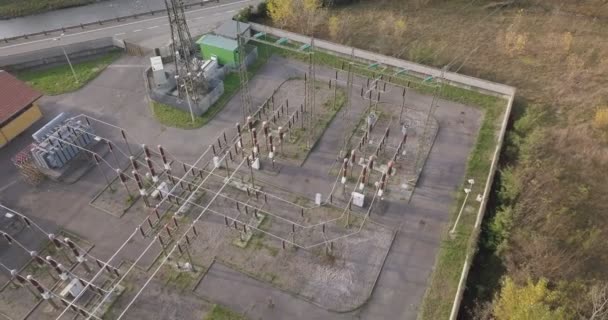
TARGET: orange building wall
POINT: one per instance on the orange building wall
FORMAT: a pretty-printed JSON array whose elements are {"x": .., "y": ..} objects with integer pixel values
[{"x": 19, "y": 124}]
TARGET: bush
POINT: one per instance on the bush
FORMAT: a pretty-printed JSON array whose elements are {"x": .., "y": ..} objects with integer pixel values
[
  {"x": 262, "y": 10},
  {"x": 244, "y": 14},
  {"x": 531, "y": 301},
  {"x": 600, "y": 121},
  {"x": 250, "y": 13}
]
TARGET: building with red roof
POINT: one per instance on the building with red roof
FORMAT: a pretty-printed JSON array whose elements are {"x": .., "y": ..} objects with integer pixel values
[{"x": 18, "y": 107}]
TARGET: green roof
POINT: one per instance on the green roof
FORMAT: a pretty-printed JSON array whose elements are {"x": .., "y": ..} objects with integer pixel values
[{"x": 219, "y": 42}]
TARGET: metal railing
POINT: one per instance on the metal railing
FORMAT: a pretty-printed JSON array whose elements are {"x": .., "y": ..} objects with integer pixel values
[{"x": 83, "y": 26}]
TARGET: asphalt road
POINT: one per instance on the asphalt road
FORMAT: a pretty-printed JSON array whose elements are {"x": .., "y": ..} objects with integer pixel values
[
  {"x": 148, "y": 31},
  {"x": 100, "y": 10}
]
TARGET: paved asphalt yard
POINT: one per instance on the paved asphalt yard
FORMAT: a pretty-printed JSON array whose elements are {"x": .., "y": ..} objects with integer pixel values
[{"x": 118, "y": 96}]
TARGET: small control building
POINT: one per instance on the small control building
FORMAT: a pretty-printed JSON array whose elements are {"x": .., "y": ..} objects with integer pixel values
[
  {"x": 18, "y": 107},
  {"x": 225, "y": 50}
]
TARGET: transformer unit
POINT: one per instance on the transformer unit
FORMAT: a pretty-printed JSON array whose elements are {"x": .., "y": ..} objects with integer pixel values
[{"x": 60, "y": 141}]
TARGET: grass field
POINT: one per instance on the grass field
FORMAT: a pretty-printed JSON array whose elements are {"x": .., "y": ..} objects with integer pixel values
[
  {"x": 59, "y": 79},
  {"x": 18, "y": 8}
]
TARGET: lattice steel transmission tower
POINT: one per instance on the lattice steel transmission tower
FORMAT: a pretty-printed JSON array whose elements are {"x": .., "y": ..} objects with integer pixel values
[
  {"x": 191, "y": 83},
  {"x": 246, "y": 103}
]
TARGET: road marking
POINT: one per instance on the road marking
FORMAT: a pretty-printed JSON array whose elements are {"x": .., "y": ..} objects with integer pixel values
[
  {"x": 230, "y": 11},
  {"x": 123, "y": 25},
  {"x": 137, "y": 30},
  {"x": 119, "y": 34},
  {"x": 152, "y": 28},
  {"x": 217, "y": 14},
  {"x": 112, "y": 66},
  {"x": 8, "y": 185}
]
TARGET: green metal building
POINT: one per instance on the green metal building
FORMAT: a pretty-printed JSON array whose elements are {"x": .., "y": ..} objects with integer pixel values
[{"x": 224, "y": 49}]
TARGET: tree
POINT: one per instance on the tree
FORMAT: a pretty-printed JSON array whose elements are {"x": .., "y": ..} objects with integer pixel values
[
  {"x": 529, "y": 302},
  {"x": 302, "y": 15},
  {"x": 280, "y": 11},
  {"x": 599, "y": 299}
]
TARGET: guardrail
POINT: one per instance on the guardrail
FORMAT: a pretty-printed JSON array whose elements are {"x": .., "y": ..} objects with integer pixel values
[{"x": 82, "y": 26}]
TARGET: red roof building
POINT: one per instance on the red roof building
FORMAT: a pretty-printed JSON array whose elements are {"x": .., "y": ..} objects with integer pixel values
[{"x": 18, "y": 108}]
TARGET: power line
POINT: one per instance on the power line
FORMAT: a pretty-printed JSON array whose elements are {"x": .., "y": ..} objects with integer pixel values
[{"x": 29, "y": 222}]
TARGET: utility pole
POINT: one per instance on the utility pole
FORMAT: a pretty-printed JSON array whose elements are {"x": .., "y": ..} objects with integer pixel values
[{"x": 66, "y": 56}]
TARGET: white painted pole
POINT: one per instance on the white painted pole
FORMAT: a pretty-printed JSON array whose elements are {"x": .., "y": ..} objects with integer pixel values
[{"x": 466, "y": 191}]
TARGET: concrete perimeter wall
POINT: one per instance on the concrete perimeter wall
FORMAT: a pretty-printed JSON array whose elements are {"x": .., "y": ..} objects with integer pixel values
[
  {"x": 54, "y": 56},
  {"x": 455, "y": 79}
]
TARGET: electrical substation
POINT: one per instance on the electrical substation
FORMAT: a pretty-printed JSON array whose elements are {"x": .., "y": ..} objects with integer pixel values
[{"x": 301, "y": 185}]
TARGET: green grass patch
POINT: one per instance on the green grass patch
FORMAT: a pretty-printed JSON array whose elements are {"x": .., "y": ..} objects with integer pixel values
[
  {"x": 219, "y": 312},
  {"x": 59, "y": 79},
  {"x": 440, "y": 294},
  {"x": 19, "y": 8},
  {"x": 176, "y": 118}
]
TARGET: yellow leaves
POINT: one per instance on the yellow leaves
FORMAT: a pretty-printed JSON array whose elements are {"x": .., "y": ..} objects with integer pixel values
[
  {"x": 529, "y": 302},
  {"x": 392, "y": 24},
  {"x": 600, "y": 121},
  {"x": 514, "y": 42},
  {"x": 303, "y": 14},
  {"x": 520, "y": 42},
  {"x": 400, "y": 27},
  {"x": 280, "y": 11},
  {"x": 333, "y": 25},
  {"x": 311, "y": 5}
]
